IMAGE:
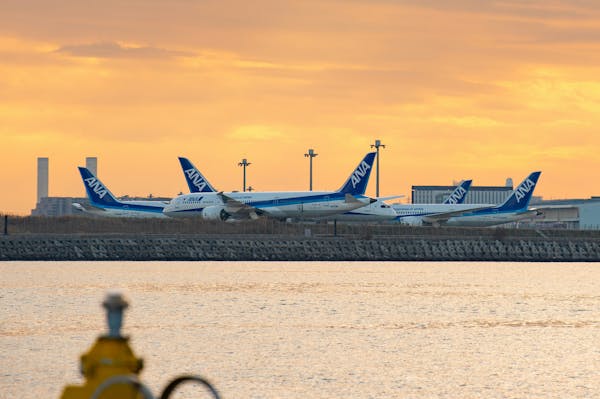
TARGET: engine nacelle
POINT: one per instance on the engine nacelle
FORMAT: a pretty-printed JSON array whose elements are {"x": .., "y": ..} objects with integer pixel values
[
  {"x": 412, "y": 221},
  {"x": 216, "y": 212}
]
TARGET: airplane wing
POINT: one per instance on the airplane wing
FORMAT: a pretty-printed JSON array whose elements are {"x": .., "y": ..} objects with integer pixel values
[
  {"x": 546, "y": 207},
  {"x": 88, "y": 209},
  {"x": 442, "y": 217},
  {"x": 238, "y": 209},
  {"x": 540, "y": 210},
  {"x": 390, "y": 197},
  {"x": 351, "y": 199}
]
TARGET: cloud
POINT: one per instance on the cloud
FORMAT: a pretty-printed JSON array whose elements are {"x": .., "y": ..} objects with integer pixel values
[
  {"x": 117, "y": 50},
  {"x": 256, "y": 133}
]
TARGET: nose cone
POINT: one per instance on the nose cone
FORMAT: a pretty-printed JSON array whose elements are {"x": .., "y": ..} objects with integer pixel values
[{"x": 169, "y": 210}]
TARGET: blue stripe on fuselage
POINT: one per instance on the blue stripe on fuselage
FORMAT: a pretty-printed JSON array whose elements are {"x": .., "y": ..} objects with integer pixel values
[
  {"x": 481, "y": 212},
  {"x": 271, "y": 203},
  {"x": 296, "y": 200},
  {"x": 130, "y": 207},
  {"x": 187, "y": 210}
]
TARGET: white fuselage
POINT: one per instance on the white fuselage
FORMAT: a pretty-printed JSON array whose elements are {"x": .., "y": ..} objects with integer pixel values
[
  {"x": 478, "y": 217},
  {"x": 378, "y": 211},
  {"x": 412, "y": 210},
  {"x": 489, "y": 219},
  {"x": 298, "y": 205}
]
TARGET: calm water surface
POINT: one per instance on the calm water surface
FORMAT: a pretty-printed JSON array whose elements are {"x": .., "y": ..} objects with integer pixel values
[{"x": 313, "y": 330}]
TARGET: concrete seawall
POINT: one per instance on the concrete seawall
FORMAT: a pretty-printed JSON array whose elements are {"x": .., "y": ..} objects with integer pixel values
[{"x": 273, "y": 248}]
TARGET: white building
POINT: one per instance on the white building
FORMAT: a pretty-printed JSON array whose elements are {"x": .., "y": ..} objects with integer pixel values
[{"x": 476, "y": 195}]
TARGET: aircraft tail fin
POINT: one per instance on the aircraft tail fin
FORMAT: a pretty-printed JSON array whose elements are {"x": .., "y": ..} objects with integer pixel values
[
  {"x": 359, "y": 178},
  {"x": 459, "y": 194},
  {"x": 195, "y": 180},
  {"x": 520, "y": 197},
  {"x": 97, "y": 192}
]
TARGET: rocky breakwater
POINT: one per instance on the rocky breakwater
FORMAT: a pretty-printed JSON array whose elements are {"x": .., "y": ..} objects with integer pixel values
[{"x": 291, "y": 248}]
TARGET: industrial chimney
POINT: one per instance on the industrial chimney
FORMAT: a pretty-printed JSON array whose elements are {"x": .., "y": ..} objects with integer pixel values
[
  {"x": 42, "y": 178},
  {"x": 91, "y": 163}
]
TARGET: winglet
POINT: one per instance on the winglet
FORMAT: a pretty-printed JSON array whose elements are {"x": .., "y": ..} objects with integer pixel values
[
  {"x": 195, "y": 180},
  {"x": 357, "y": 182}
]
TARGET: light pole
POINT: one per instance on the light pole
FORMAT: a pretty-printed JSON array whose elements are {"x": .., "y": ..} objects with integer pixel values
[
  {"x": 311, "y": 154},
  {"x": 376, "y": 146},
  {"x": 244, "y": 163}
]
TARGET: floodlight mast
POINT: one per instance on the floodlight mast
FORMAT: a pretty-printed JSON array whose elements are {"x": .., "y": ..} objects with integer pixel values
[
  {"x": 310, "y": 154},
  {"x": 376, "y": 146},
  {"x": 243, "y": 164}
]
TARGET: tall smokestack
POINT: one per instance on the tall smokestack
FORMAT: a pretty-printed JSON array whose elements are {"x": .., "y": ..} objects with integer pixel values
[
  {"x": 91, "y": 163},
  {"x": 42, "y": 178}
]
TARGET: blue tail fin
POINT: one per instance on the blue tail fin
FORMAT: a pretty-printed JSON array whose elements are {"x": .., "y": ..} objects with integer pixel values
[
  {"x": 519, "y": 199},
  {"x": 460, "y": 192},
  {"x": 96, "y": 191},
  {"x": 357, "y": 182},
  {"x": 196, "y": 182}
]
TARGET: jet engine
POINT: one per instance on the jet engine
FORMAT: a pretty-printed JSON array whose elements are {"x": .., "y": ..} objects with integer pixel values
[
  {"x": 216, "y": 212},
  {"x": 412, "y": 221}
]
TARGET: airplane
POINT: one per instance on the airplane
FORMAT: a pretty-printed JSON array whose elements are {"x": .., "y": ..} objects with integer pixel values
[
  {"x": 379, "y": 211},
  {"x": 104, "y": 203},
  {"x": 195, "y": 180},
  {"x": 234, "y": 205},
  {"x": 375, "y": 212},
  {"x": 513, "y": 209}
]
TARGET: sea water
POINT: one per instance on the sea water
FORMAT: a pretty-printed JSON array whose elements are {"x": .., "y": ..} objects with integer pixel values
[{"x": 313, "y": 329}]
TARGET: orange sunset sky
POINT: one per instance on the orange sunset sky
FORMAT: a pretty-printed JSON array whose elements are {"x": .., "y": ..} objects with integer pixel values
[{"x": 455, "y": 89}]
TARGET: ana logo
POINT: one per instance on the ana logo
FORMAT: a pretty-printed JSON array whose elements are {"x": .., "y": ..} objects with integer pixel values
[
  {"x": 359, "y": 173},
  {"x": 456, "y": 195},
  {"x": 96, "y": 187},
  {"x": 196, "y": 179},
  {"x": 524, "y": 189}
]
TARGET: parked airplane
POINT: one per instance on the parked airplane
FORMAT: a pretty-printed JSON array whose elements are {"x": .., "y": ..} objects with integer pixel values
[
  {"x": 379, "y": 211},
  {"x": 195, "y": 180},
  {"x": 104, "y": 203},
  {"x": 282, "y": 205},
  {"x": 513, "y": 209}
]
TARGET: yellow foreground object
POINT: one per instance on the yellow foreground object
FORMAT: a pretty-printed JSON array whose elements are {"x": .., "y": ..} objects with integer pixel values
[
  {"x": 110, "y": 359},
  {"x": 111, "y": 369}
]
